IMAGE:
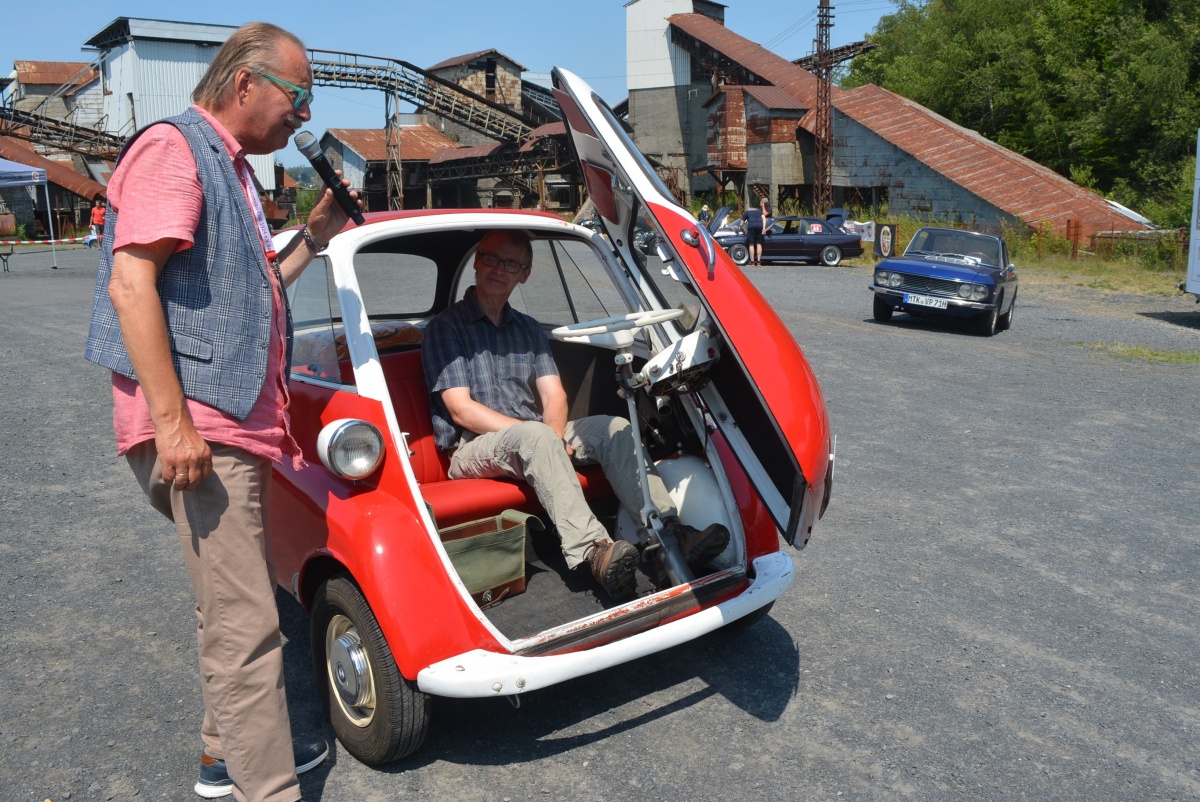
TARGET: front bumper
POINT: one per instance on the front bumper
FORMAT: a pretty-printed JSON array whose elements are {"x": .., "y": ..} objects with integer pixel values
[
  {"x": 955, "y": 305},
  {"x": 480, "y": 673}
]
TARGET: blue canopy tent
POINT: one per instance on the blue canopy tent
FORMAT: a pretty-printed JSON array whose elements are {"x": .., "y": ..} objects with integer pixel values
[{"x": 13, "y": 174}]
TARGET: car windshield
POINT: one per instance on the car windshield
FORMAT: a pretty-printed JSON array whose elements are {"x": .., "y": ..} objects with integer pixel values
[{"x": 954, "y": 244}]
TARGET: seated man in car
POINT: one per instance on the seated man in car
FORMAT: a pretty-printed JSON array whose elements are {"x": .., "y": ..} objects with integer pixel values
[{"x": 500, "y": 410}]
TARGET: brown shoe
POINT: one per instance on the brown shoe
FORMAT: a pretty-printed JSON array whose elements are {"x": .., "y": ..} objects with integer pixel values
[
  {"x": 614, "y": 566},
  {"x": 699, "y": 548}
]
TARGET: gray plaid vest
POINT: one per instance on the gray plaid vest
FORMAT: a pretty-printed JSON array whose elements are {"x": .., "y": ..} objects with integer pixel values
[{"x": 216, "y": 294}]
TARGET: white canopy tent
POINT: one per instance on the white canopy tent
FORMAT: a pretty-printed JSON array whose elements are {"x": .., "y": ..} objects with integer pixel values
[{"x": 13, "y": 174}]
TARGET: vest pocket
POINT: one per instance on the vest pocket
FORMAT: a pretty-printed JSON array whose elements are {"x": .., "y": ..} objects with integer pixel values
[{"x": 193, "y": 347}]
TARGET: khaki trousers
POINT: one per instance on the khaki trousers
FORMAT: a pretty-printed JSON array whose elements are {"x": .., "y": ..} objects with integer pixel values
[
  {"x": 532, "y": 452},
  {"x": 225, "y": 537}
]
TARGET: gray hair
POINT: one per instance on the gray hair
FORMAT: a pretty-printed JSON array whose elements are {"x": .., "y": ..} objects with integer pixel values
[
  {"x": 255, "y": 47},
  {"x": 514, "y": 236}
]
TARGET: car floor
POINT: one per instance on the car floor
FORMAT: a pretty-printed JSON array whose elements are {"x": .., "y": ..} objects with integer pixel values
[{"x": 555, "y": 595}]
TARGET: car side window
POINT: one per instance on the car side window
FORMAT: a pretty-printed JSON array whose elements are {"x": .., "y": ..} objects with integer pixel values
[
  {"x": 396, "y": 286},
  {"x": 316, "y": 323},
  {"x": 778, "y": 227},
  {"x": 567, "y": 284}
]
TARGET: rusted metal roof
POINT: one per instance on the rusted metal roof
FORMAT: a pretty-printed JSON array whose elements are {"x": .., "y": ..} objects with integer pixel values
[
  {"x": 473, "y": 152},
  {"x": 773, "y": 69},
  {"x": 54, "y": 73},
  {"x": 1019, "y": 186},
  {"x": 56, "y": 173},
  {"x": 541, "y": 132},
  {"x": 774, "y": 98},
  {"x": 417, "y": 142},
  {"x": 469, "y": 57},
  {"x": 1007, "y": 180}
]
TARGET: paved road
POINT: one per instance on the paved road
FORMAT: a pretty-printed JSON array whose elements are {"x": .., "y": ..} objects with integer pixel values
[{"x": 1000, "y": 604}]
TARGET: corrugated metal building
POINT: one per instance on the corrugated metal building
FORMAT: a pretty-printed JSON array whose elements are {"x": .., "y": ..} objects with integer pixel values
[{"x": 148, "y": 69}]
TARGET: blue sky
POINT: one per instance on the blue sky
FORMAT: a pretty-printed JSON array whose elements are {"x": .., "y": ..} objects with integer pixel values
[{"x": 587, "y": 38}]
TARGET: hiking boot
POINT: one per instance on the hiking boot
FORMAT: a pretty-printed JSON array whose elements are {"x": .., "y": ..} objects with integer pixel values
[
  {"x": 698, "y": 548},
  {"x": 614, "y": 566},
  {"x": 215, "y": 781}
]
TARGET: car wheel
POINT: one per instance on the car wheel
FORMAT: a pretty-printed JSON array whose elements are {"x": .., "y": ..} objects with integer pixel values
[
  {"x": 740, "y": 254},
  {"x": 831, "y": 256},
  {"x": 1007, "y": 318},
  {"x": 987, "y": 324},
  {"x": 881, "y": 309},
  {"x": 378, "y": 715}
]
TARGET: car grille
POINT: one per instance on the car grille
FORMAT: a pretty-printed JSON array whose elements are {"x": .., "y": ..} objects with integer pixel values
[{"x": 926, "y": 284}]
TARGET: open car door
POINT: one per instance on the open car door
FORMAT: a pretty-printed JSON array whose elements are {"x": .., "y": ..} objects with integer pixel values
[{"x": 763, "y": 396}]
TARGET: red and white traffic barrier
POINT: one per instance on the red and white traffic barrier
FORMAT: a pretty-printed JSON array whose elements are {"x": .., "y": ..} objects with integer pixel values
[{"x": 39, "y": 241}]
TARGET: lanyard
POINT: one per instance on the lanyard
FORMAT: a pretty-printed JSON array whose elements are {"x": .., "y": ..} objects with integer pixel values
[{"x": 256, "y": 209}]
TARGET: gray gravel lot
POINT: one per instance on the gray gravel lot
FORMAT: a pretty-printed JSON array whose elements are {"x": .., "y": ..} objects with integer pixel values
[{"x": 1000, "y": 604}]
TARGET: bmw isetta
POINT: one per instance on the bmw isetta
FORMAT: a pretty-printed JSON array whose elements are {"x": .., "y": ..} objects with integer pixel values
[{"x": 369, "y": 536}]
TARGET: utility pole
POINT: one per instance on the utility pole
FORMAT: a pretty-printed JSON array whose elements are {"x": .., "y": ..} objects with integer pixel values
[{"x": 823, "y": 180}]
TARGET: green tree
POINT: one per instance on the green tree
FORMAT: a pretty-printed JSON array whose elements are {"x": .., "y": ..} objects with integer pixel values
[{"x": 1103, "y": 89}]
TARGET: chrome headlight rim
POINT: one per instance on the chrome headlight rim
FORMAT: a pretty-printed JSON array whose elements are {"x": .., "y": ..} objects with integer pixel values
[{"x": 350, "y": 448}]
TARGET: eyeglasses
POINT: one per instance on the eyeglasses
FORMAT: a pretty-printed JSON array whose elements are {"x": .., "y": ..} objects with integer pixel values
[
  {"x": 303, "y": 97},
  {"x": 509, "y": 265}
]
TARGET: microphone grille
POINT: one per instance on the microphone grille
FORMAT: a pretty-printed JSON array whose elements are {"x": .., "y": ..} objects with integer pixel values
[{"x": 307, "y": 144}]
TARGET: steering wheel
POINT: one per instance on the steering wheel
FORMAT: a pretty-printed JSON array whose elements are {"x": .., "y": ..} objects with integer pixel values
[
  {"x": 616, "y": 323},
  {"x": 980, "y": 255}
]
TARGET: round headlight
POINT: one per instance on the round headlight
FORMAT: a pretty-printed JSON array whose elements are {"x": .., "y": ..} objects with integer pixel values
[
  {"x": 350, "y": 448},
  {"x": 895, "y": 279},
  {"x": 964, "y": 290},
  {"x": 881, "y": 278},
  {"x": 979, "y": 292}
]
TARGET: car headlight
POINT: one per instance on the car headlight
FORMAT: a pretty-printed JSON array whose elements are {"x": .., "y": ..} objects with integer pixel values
[
  {"x": 979, "y": 292},
  {"x": 895, "y": 279},
  {"x": 350, "y": 448},
  {"x": 881, "y": 278},
  {"x": 964, "y": 290}
]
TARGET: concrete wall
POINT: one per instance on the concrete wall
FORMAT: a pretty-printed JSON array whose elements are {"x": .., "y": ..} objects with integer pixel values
[
  {"x": 864, "y": 159},
  {"x": 662, "y": 120}
]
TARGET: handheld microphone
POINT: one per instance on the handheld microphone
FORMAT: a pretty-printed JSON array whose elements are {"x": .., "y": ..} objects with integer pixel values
[{"x": 307, "y": 144}]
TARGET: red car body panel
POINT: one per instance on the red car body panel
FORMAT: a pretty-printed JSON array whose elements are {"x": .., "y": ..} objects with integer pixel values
[{"x": 776, "y": 364}]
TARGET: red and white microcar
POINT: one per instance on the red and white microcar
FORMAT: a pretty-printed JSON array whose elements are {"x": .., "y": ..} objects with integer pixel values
[{"x": 677, "y": 340}]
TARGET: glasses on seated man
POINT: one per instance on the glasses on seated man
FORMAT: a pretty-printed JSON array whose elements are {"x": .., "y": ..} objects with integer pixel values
[{"x": 509, "y": 265}]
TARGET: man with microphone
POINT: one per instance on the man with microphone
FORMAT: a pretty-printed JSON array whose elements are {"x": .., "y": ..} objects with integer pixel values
[{"x": 190, "y": 316}]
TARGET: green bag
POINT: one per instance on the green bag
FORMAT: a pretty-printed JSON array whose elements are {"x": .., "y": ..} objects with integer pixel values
[{"x": 489, "y": 555}]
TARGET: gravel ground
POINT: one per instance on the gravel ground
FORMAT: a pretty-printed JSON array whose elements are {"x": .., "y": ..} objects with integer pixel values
[{"x": 1000, "y": 603}]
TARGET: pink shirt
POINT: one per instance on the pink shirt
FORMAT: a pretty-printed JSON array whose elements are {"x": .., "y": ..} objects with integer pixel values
[{"x": 160, "y": 165}]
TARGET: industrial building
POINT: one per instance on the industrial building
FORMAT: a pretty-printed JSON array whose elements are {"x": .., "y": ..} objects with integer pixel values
[
  {"x": 721, "y": 112},
  {"x": 711, "y": 109}
]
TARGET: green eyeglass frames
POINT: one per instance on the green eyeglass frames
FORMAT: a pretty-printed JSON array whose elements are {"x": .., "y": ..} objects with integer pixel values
[{"x": 303, "y": 96}]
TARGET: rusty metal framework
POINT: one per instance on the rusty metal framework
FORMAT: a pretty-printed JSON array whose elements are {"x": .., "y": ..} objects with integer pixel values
[
  {"x": 837, "y": 55},
  {"x": 394, "y": 177},
  {"x": 421, "y": 88},
  {"x": 58, "y": 134},
  {"x": 823, "y": 134}
]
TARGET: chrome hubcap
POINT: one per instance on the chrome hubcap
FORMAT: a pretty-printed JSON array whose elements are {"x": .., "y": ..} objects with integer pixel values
[{"x": 349, "y": 670}]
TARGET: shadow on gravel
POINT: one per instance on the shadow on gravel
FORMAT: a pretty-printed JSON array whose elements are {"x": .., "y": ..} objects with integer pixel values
[
  {"x": 962, "y": 327},
  {"x": 757, "y": 670},
  {"x": 1188, "y": 320}
]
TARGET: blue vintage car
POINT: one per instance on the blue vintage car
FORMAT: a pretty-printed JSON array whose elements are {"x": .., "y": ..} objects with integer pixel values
[{"x": 948, "y": 272}]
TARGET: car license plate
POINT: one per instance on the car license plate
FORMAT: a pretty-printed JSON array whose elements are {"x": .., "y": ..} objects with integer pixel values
[{"x": 925, "y": 300}]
